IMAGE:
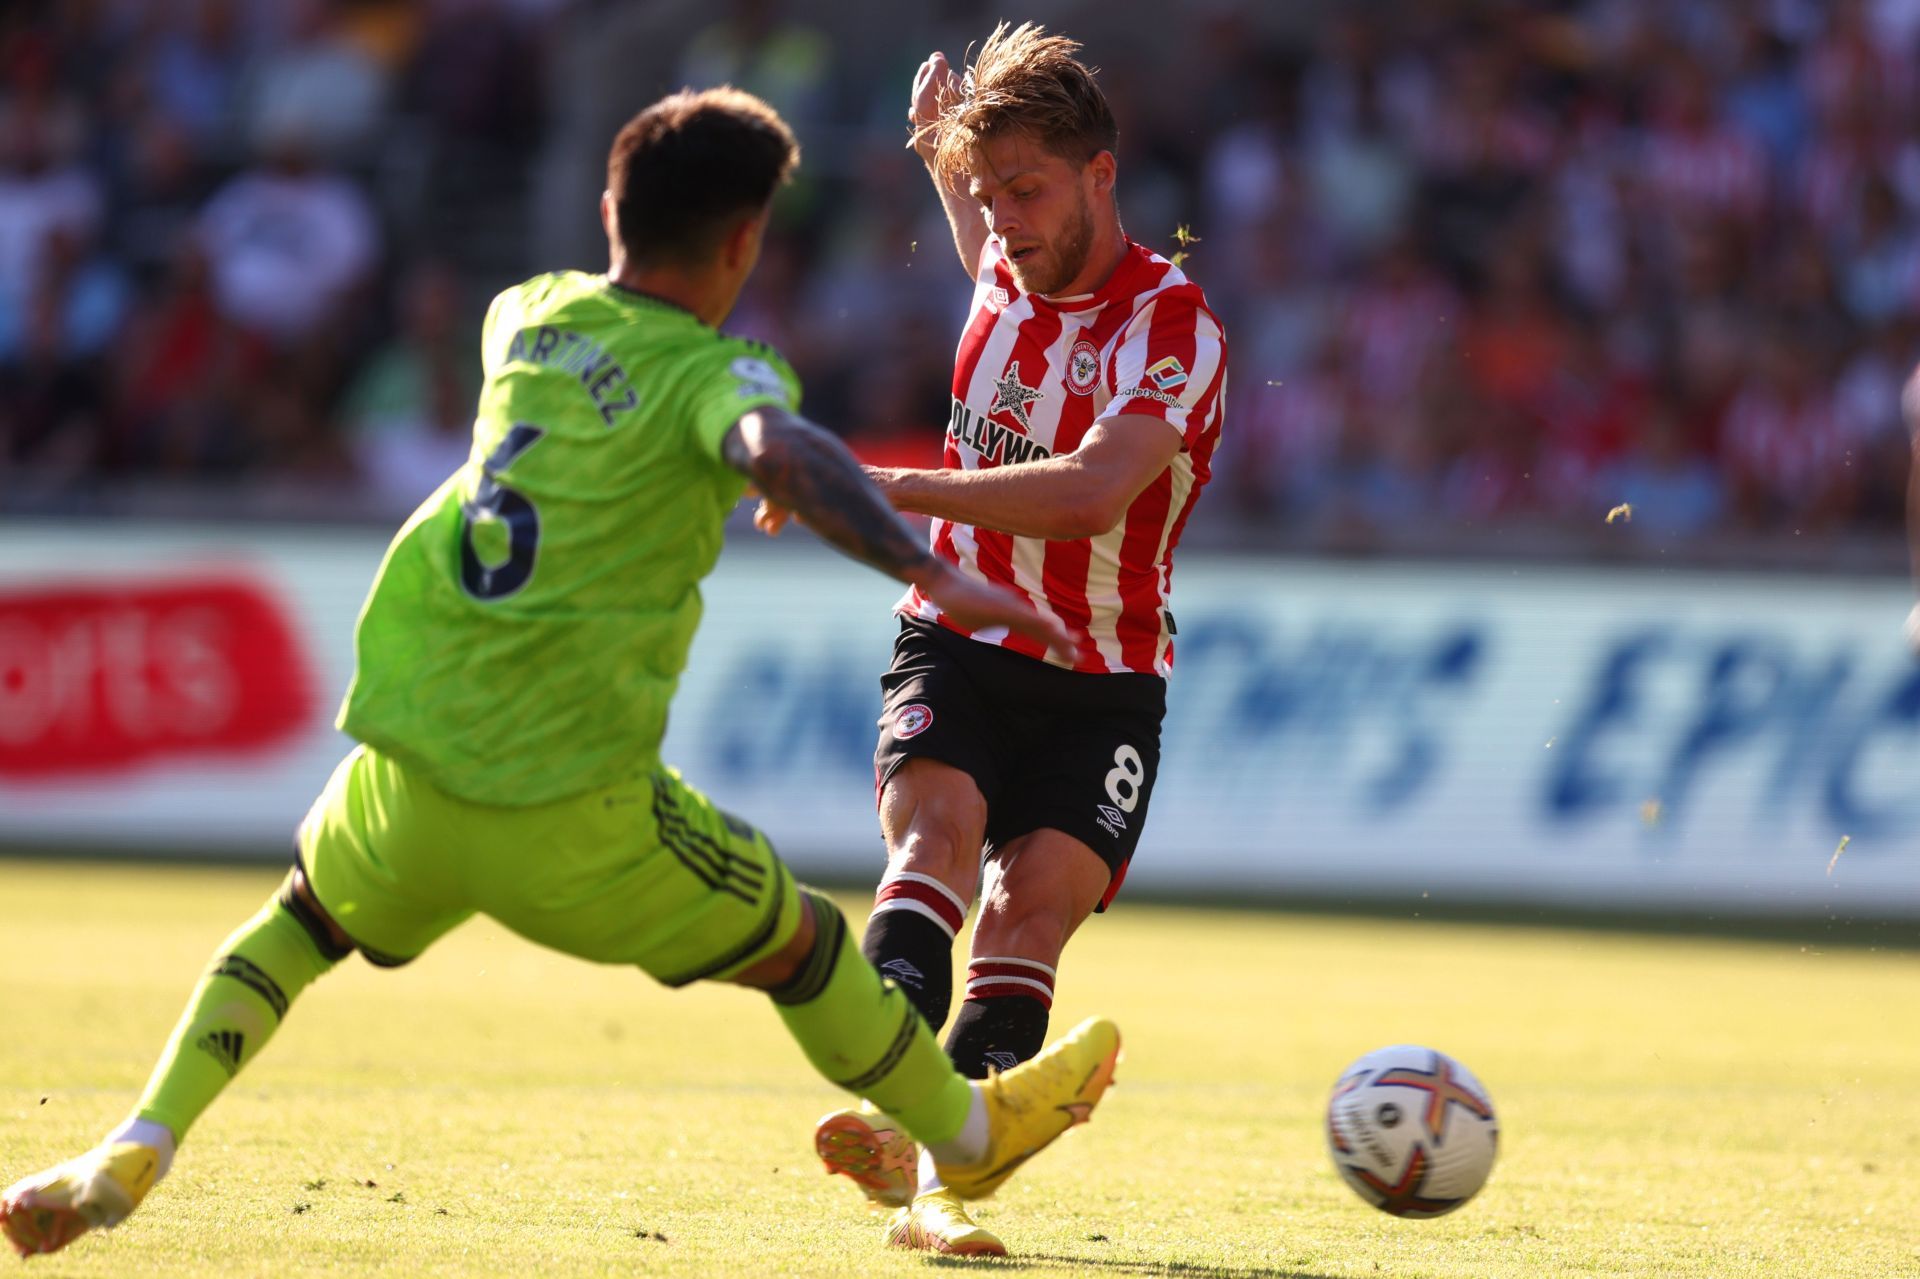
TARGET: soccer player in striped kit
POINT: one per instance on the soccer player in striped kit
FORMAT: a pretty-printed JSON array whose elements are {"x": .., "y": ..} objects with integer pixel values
[{"x": 1087, "y": 396}]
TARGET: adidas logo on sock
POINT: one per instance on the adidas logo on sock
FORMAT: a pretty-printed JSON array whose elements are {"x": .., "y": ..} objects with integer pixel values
[
  {"x": 225, "y": 1047},
  {"x": 904, "y": 973}
]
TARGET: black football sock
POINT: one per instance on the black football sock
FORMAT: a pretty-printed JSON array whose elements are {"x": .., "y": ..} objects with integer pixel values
[
  {"x": 1003, "y": 1020},
  {"x": 910, "y": 941}
]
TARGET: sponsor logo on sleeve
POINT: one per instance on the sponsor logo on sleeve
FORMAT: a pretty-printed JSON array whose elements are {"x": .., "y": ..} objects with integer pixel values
[
  {"x": 1149, "y": 393},
  {"x": 1168, "y": 374},
  {"x": 757, "y": 378}
]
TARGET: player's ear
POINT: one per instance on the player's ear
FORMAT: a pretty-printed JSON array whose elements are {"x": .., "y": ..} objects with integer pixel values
[
  {"x": 610, "y": 216},
  {"x": 1103, "y": 169}
]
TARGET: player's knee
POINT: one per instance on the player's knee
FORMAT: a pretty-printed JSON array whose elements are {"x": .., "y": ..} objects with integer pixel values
[
  {"x": 934, "y": 820},
  {"x": 936, "y": 848},
  {"x": 1034, "y": 898},
  {"x": 1030, "y": 924}
]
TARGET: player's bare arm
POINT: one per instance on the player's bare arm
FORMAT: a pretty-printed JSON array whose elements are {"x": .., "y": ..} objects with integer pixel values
[
  {"x": 934, "y": 85},
  {"x": 800, "y": 468},
  {"x": 1079, "y": 494}
]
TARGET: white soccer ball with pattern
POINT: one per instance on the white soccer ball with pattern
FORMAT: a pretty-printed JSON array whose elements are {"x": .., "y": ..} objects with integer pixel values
[{"x": 1412, "y": 1131}]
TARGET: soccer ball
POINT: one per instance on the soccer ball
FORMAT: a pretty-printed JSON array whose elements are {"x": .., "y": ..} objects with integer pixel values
[{"x": 1412, "y": 1131}]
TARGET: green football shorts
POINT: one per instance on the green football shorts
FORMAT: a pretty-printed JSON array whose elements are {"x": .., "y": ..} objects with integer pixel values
[{"x": 645, "y": 872}]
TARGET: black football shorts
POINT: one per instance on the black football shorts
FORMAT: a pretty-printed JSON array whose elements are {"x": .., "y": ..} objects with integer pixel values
[{"x": 1047, "y": 747}]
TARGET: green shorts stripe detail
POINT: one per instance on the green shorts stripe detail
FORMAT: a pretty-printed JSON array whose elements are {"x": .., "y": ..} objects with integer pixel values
[
  {"x": 830, "y": 933},
  {"x": 713, "y": 864},
  {"x": 250, "y": 975},
  {"x": 727, "y": 863},
  {"x": 761, "y": 936},
  {"x": 909, "y": 1025}
]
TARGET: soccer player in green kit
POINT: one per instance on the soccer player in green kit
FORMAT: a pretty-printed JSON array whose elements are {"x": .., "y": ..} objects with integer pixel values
[{"x": 515, "y": 661}]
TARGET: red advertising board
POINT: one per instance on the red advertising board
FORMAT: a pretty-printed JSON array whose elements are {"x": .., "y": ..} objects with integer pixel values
[{"x": 104, "y": 677}]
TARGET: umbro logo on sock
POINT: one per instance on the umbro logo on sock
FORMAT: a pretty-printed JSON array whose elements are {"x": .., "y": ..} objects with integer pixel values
[
  {"x": 904, "y": 973},
  {"x": 225, "y": 1047},
  {"x": 1004, "y": 1060}
]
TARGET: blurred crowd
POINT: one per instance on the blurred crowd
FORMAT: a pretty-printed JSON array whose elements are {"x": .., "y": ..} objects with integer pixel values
[{"x": 1482, "y": 263}]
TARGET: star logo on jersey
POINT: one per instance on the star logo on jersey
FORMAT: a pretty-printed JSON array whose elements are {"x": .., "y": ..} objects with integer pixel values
[{"x": 1012, "y": 396}]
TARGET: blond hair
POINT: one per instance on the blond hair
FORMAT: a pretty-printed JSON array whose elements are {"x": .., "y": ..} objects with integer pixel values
[{"x": 1022, "y": 81}]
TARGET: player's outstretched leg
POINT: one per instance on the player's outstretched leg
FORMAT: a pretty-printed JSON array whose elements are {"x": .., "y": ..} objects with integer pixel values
[
  {"x": 910, "y": 941},
  {"x": 864, "y": 1035},
  {"x": 912, "y": 948},
  {"x": 933, "y": 818},
  {"x": 256, "y": 974}
]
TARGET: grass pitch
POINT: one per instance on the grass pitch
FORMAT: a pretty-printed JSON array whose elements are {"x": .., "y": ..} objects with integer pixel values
[{"x": 1669, "y": 1107}]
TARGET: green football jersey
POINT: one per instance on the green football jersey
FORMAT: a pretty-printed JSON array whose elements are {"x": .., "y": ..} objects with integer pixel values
[{"x": 531, "y": 619}]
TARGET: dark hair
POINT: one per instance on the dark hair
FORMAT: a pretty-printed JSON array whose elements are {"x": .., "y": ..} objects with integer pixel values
[
  {"x": 681, "y": 169},
  {"x": 1024, "y": 81}
]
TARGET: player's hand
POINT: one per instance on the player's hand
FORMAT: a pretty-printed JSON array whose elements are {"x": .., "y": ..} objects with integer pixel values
[
  {"x": 977, "y": 605},
  {"x": 934, "y": 85},
  {"x": 770, "y": 517}
]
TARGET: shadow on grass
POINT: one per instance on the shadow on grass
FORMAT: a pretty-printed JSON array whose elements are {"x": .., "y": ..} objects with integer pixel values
[{"x": 1116, "y": 1266}]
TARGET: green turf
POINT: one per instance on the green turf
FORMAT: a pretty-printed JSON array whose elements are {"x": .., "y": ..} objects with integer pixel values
[{"x": 1669, "y": 1107}]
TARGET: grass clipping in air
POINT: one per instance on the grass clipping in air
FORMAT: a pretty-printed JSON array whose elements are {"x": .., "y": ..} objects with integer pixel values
[{"x": 1692, "y": 1108}]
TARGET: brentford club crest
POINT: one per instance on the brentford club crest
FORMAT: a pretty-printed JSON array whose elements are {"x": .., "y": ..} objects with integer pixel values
[
  {"x": 912, "y": 721},
  {"x": 1083, "y": 368}
]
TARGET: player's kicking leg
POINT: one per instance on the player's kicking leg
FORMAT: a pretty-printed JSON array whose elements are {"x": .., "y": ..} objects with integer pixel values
[
  {"x": 977, "y": 1133},
  {"x": 256, "y": 974},
  {"x": 933, "y": 818},
  {"x": 1038, "y": 890}
]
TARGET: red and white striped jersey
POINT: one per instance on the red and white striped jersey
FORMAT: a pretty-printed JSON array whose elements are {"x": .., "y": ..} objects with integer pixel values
[{"x": 1031, "y": 377}]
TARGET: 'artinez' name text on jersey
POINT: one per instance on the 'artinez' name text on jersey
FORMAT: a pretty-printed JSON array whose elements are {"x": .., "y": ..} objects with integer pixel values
[{"x": 1031, "y": 378}]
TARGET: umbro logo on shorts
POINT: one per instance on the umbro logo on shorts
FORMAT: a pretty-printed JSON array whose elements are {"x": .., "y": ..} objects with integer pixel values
[{"x": 1111, "y": 820}]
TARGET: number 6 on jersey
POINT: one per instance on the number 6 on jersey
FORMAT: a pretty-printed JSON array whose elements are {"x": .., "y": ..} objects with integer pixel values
[{"x": 494, "y": 504}]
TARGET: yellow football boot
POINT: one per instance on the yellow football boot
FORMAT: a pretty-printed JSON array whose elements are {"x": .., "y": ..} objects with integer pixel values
[
  {"x": 938, "y": 1222},
  {"x": 1036, "y": 1101},
  {"x": 48, "y": 1211},
  {"x": 872, "y": 1151}
]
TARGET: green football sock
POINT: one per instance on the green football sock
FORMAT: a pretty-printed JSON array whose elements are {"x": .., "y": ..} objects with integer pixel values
[
  {"x": 863, "y": 1034},
  {"x": 256, "y": 974}
]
